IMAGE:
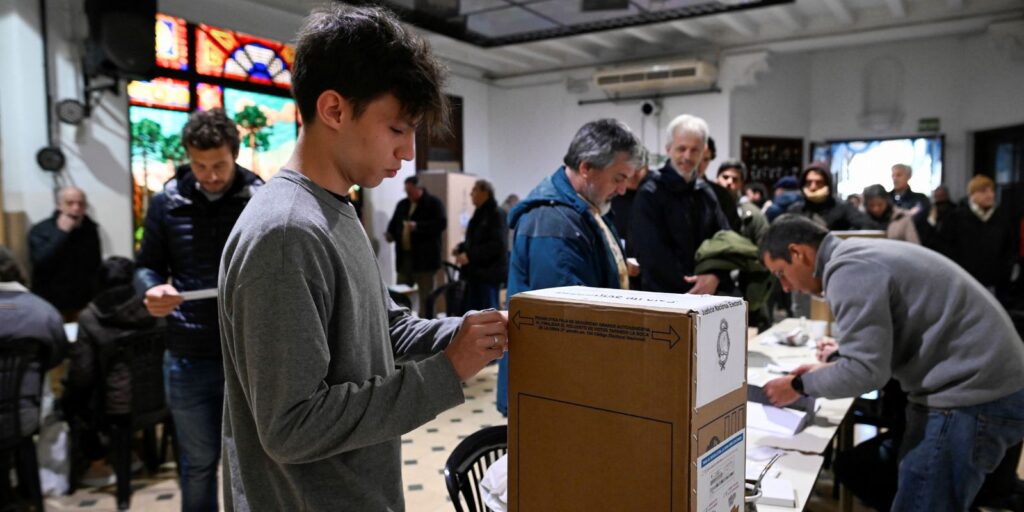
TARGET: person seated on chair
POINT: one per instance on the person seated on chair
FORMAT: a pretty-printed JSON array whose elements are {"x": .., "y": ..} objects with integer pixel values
[
  {"x": 116, "y": 311},
  {"x": 25, "y": 315}
]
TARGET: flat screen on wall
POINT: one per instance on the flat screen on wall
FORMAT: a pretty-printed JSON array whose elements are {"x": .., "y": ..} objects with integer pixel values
[{"x": 857, "y": 164}]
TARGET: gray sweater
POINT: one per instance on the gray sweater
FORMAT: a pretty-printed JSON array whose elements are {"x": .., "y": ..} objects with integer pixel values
[
  {"x": 314, "y": 403},
  {"x": 910, "y": 313}
]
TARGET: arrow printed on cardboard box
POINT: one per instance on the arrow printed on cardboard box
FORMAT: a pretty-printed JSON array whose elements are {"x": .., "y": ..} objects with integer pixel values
[
  {"x": 519, "y": 320},
  {"x": 671, "y": 336}
]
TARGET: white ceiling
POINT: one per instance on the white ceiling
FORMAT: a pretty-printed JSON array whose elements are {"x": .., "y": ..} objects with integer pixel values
[{"x": 804, "y": 25}]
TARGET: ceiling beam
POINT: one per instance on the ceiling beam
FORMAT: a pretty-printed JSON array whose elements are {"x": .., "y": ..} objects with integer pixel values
[
  {"x": 841, "y": 11},
  {"x": 531, "y": 54},
  {"x": 896, "y": 8},
  {"x": 642, "y": 35},
  {"x": 604, "y": 40},
  {"x": 739, "y": 24},
  {"x": 462, "y": 52},
  {"x": 690, "y": 28},
  {"x": 789, "y": 19},
  {"x": 571, "y": 49},
  {"x": 956, "y": 5}
]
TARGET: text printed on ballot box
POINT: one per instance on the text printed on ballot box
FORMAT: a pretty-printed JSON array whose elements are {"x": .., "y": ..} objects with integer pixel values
[{"x": 603, "y": 330}]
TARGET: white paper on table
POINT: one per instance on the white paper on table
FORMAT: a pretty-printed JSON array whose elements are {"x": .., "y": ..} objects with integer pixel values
[
  {"x": 754, "y": 471},
  {"x": 494, "y": 485},
  {"x": 208, "y": 293},
  {"x": 777, "y": 492},
  {"x": 768, "y": 418}
]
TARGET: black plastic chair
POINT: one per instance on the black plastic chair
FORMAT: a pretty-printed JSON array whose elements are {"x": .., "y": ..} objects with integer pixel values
[
  {"x": 466, "y": 466},
  {"x": 454, "y": 291},
  {"x": 16, "y": 364}
]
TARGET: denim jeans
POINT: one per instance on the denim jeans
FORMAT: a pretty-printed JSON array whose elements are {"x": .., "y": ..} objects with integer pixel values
[
  {"x": 502, "y": 389},
  {"x": 947, "y": 452},
  {"x": 480, "y": 296},
  {"x": 195, "y": 395}
]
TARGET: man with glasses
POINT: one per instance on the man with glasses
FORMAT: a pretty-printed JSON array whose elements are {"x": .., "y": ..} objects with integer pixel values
[{"x": 909, "y": 313}]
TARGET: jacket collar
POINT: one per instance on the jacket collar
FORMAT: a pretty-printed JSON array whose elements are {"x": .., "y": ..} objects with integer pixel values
[{"x": 181, "y": 190}]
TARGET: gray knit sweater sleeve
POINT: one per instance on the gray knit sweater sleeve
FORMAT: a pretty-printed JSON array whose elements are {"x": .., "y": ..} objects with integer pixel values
[{"x": 862, "y": 313}]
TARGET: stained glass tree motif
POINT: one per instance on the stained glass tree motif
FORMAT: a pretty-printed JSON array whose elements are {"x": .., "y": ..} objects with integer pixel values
[{"x": 252, "y": 121}]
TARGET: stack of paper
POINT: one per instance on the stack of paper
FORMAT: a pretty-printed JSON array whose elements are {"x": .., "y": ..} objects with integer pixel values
[
  {"x": 782, "y": 421},
  {"x": 778, "y": 492}
]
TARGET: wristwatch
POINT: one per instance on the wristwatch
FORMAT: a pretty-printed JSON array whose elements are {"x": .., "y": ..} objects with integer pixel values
[{"x": 798, "y": 384}]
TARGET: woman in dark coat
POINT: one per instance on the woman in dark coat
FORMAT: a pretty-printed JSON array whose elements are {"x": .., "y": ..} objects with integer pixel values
[
  {"x": 484, "y": 254},
  {"x": 820, "y": 205}
]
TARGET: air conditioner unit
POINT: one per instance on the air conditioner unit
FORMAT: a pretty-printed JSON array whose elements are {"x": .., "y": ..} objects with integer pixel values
[{"x": 684, "y": 74}]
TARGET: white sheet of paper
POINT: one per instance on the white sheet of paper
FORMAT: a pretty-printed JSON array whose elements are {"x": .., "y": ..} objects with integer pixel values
[
  {"x": 767, "y": 418},
  {"x": 208, "y": 293},
  {"x": 778, "y": 492}
]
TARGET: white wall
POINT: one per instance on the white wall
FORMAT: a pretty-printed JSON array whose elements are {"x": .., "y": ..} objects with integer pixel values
[
  {"x": 777, "y": 105},
  {"x": 97, "y": 152},
  {"x": 531, "y": 127}
]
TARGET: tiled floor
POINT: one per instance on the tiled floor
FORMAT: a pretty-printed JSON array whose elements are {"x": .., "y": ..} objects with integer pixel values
[{"x": 424, "y": 452}]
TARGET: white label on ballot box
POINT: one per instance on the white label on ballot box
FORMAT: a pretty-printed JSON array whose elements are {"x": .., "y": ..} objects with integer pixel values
[
  {"x": 721, "y": 352},
  {"x": 720, "y": 474}
]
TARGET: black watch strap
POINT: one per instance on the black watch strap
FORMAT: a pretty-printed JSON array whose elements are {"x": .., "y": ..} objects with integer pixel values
[{"x": 798, "y": 384}]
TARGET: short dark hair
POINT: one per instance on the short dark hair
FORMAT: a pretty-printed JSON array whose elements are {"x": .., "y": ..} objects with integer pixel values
[
  {"x": 598, "y": 142},
  {"x": 412, "y": 180},
  {"x": 10, "y": 270},
  {"x": 712, "y": 148},
  {"x": 788, "y": 229},
  {"x": 363, "y": 53},
  {"x": 115, "y": 271},
  {"x": 875, "y": 192},
  {"x": 485, "y": 186},
  {"x": 734, "y": 164},
  {"x": 758, "y": 187},
  {"x": 209, "y": 129}
]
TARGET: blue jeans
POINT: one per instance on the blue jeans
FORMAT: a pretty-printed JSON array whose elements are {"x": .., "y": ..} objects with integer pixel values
[
  {"x": 502, "y": 389},
  {"x": 480, "y": 296},
  {"x": 195, "y": 395},
  {"x": 946, "y": 453}
]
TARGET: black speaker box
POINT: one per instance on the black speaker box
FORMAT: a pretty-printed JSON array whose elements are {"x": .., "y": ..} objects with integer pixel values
[{"x": 122, "y": 38}]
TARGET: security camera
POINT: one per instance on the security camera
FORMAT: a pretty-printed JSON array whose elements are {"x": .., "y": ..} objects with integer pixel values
[{"x": 650, "y": 108}]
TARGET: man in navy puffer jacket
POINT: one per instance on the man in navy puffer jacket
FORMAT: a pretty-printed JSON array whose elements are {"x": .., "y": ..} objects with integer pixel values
[{"x": 186, "y": 228}]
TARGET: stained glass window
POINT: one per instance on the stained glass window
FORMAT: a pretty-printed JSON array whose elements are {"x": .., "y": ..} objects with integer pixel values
[
  {"x": 171, "y": 42},
  {"x": 160, "y": 92},
  {"x": 267, "y": 126},
  {"x": 240, "y": 56},
  {"x": 209, "y": 96}
]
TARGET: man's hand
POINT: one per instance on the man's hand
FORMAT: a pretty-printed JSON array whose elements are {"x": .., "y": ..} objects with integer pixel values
[
  {"x": 410, "y": 225},
  {"x": 67, "y": 223},
  {"x": 633, "y": 267},
  {"x": 705, "y": 284},
  {"x": 482, "y": 338},
  {"x": 162, "y": 299},
  {"x": 780, "y": 391},
  {"x": 462, "y": 259},
  {"x": 826, "y": 347}
]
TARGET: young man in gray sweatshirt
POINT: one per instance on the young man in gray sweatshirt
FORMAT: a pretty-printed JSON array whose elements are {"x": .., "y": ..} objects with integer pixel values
[
  {"x": 315, "y": 402},
  {"x": 910, "y": 313}
]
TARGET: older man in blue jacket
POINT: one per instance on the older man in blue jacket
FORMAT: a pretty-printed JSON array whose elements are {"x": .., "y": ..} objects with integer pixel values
[{"x": 561, "y": 234}]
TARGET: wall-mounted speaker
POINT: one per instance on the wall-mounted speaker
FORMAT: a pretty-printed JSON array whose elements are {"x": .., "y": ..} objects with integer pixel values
[{"x": 122, "y": 37}]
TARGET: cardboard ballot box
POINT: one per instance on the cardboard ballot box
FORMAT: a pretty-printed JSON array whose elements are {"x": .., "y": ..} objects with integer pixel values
[{"x": 622, "y": 400}]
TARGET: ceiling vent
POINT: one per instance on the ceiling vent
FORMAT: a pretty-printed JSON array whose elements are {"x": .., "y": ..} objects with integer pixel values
[{"x": 685, "y": 74}]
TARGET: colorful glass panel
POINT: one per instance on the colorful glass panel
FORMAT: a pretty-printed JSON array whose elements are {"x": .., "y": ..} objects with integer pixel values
[
  {"x": 160, "y": 92},
  {"x": 267, "y": 126},
  {"x": 240, "y": 56},
  {"x": 155, "y": 152},
  {"x": 209, "y": 96},
  {"x": 171, "y": 42}
]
